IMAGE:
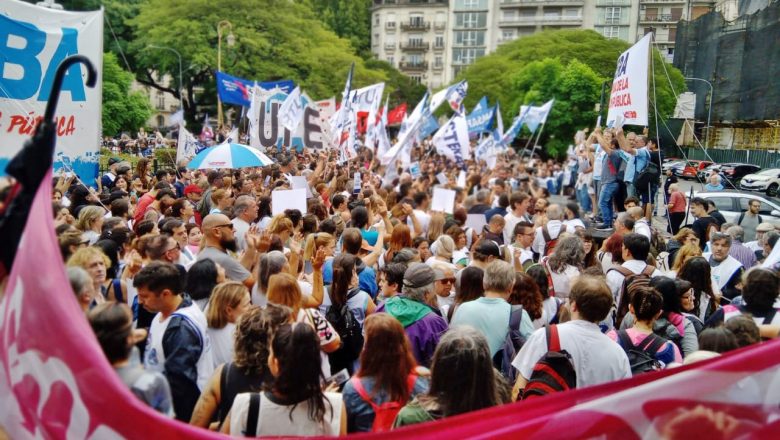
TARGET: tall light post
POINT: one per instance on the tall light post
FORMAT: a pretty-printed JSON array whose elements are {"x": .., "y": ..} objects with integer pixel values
[
  {"x": 181, "y": 101},
  {"x": 712, "y": 97},
  {"x": 231, "y": 40}
]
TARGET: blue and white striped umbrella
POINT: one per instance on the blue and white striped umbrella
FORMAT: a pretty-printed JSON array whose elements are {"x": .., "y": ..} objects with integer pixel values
[{"x": 229, "y": 155}]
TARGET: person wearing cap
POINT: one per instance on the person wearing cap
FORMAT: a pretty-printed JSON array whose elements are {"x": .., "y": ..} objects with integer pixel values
[
  {"x": 490, "y": 314},
  {"x": 755, "y": 244},
  {"x": 107, "y": 181},
  {"x": 415, "y": 308}
]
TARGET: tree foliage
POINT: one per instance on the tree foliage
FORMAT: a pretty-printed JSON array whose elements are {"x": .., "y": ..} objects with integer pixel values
[
  {"x": 274, "y": 39},
  {"x": 540, "y": 67},
  {"x": 123, "y": 110},
  {"x": 350, "y": 19}
]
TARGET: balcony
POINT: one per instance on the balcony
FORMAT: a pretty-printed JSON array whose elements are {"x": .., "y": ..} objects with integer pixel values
[
  {"x": 613, "y": 2},
  {"x": 438, "y": 66},
  {"x": 415, "y": 45},
  {"x": 413, "y": 65},
  {"x": 439, "y": 25},
  {"x": 438, "y": 46},
  {"x": 390, "y": 46},
  {"x": 416, "y": 25},
  {"x": 650, "y": 2},
  {"x": 560, "y": 20},
  {"x": 659, "y": 18},
  {"x": 510, "y": 3}
]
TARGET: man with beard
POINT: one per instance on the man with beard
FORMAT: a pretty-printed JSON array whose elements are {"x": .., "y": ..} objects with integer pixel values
[{"x": 219, "y": 235}]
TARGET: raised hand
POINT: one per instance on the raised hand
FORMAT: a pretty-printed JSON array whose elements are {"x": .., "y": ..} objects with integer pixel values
[{"x": 319, "y": 258}]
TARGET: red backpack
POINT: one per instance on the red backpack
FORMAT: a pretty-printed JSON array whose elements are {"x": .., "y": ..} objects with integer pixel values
[{"x": 384, "y": 413}]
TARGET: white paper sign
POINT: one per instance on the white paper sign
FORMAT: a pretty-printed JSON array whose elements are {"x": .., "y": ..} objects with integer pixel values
[
  {"x": 300, "y": 182},
  {"x": 358, "y": 181},
  {"x": 476, "y": 222},
  {"x": 35, "y": 40},
  {"x": 288, "y": 199},
  {"x": 461, "y": 183},
  {"x": 414, "y": 169},
  {"x": 442, "y": 178},
  {"x": 629, "y": 86},
  {"x": 443, "y": 200}
]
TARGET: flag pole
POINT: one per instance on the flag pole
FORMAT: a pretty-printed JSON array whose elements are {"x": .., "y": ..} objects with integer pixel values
[
  {"x": 528, "y": 143},
  {"x": 536, "y": 142}
]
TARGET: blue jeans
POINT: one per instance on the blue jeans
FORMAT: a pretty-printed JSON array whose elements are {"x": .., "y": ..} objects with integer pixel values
[
  {"x": 608, "y": 191},
  {"x": 584, "y": 199}
]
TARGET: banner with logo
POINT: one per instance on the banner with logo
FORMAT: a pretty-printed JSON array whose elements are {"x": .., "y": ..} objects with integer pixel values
[
  {"x": 235, "y": 90},
  {"x": 628, "y": 99},
  {"x": 452, "y": 140},
  {"x": 187, "y": 146},
  {"x": 480, "y": 120},
  {"x": 33, "y": 43},
  {"x": 266, "y": 129},
  {"x": 55, "y": 381}
]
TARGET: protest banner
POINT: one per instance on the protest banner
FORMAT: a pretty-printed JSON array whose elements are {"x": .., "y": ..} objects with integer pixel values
[
  {"x": 283, "y": 199},
  {"x": 266, "y": 129},
  {"x": 236, "y": 91},
  {"x": 452, "y": 140},
  {"x": 33, "y": 43},
  {"x": 629, "y": 86},
  {"x": 187, "y": 146}
]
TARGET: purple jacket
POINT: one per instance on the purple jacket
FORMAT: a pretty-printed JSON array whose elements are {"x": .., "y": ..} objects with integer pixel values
[{"x": 423, "y": 326}]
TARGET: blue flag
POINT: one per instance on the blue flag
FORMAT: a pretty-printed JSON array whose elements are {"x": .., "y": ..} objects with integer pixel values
[
  {"x": 235, "y": 90},
  {"x": 480, "y": 120},
  {"x": 428, "y": 127},
  {"x": 481, "y": 105}
]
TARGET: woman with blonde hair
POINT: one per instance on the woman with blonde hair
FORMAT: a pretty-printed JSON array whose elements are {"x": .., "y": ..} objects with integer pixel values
[
  {"x": 227, "y": 303},
  {"x": 318, "y": 240},
  {"x": 436, "y": 226},
  {"x": 685, "y": 253},
  {"x": 90, "y": 222},
  {"x": 681, "y": 238},
  {"x": 96, "y": 263},
  {"x": 221, "y": 200},
  {"x": 70, "y": 241},
  {"x": 282, "y": 227}
]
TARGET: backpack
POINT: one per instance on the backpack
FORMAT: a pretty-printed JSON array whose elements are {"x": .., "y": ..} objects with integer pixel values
[
  {"x": 554, "y": 372},
  {"x": 513, "y": 342},
  {"x": 742, "y": 217},
  {"x": 384, "y": 413},
  {"x": 641, "y": 357},
  {"x": 650, "y": 174},
  {"x": 631, "y": 281},
  {"x": 347, "y": 326},
  {"x": 662, "y": 261},
  {"x": 549, "y": 242}
]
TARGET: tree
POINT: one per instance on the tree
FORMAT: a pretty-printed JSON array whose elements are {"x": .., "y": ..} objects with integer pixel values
[
  {"x": 123, "y": 110},
  {"x": 274, "y": 40},
  {"x": 350, "y": 19},
  {"x": 401, "y": 88},
  {"x": 499, "y": 76}
]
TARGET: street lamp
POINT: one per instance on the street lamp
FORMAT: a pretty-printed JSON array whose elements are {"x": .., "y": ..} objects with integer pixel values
[
  {"x": 231, "y": 40},
  {"x": 152, "y": 46},
  {"x": 712, "y": 94},
  {"x": 49, "y": 4}
]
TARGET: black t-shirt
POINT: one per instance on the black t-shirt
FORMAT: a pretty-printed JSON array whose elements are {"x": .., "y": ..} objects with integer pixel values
[{"x": 700, "y": 228}]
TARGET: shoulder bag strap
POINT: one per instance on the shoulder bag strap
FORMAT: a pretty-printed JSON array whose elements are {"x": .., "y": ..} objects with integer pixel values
[
  {"x": 648, "y": 270},
  {"x": 515, "y": 317},
  {"x": 546, "y": 234},
  {"x": 625, "y": 340},
  {"x": 741, "y": 217},
  {"x": 117, "y": 283},
  {"x": 252, "y": 415},
  {"x": 553, "y": 341},
  {"x": 652, "y": 343},
  {"x": 362, "y": 392},
  {"x": 623, "y": 271}
]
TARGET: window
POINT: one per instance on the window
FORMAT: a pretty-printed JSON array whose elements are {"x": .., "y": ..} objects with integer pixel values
[
  {"x": 611, "y": 31},
  {"x": 391, "y": 61},
  {"x": 415, "y": 59},
  {"x": 507, "y": 35},
  {"x": 416, "y": 20},
  {"x": 723, "y": 203},
  {"x": 439, "y": 41},
  {"x": 470, "y": 19},
  {"x": 672, "y": 34},
  {"x": 573, "y": 12},
  {"x": 470, "y": 4},
  {"x": 766, "y": 209},
  {"x": 469, "y": 38},
  {"x": 508, "y": 14},
  {"x": 415, "y": 40},
  {"x": 676, "y": 14},
  {"x": 376, "y": 19},
  {"x": 466, "y": 55},
  {"x": 612, "y": 15},
  {"x": 160, "y": 120},
  {"x": 416, "y": 78},
  {"x": 438, "y": 62}
]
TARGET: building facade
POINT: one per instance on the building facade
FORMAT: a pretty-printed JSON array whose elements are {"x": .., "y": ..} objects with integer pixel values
[{"x": 433, "y": 40}]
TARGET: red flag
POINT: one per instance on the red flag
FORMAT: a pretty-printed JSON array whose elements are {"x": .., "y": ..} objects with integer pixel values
[
  {"x": 396, "y": 115},
  {"x": 56, "y": 383}
]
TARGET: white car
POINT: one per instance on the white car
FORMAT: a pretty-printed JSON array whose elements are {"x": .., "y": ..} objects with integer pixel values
[
  {"x": 765, "y": 180},
  {"x": 733, "y": 203}
]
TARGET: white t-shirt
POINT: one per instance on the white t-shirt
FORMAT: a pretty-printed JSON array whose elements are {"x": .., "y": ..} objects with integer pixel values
[
  {"x": 222, "y": 343},
  {"x": 597, "y": 358},
  {"x": 510, "y": 221},
  {"x": 422, "y": 218},
  {"x": 615, "y": 278},
  {"x": 642, "y": 228},
  {"x": 554, "y": 230},
  {"x": 275, "y": 420},
  {"x": 240, "y": 229}
]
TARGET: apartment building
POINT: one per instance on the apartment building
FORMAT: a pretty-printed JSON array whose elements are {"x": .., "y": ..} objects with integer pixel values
[{"x": 433, "y": 40}]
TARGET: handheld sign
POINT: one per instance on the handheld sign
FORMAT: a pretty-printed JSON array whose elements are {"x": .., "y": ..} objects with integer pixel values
[
  {"x": 628, "y": 98},
  {"x": 443, "y": 200},
  {"x": 288, "y": 199}
]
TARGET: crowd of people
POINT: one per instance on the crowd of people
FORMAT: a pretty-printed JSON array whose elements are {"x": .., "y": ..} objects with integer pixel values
[{"x": 371, "y": 311}]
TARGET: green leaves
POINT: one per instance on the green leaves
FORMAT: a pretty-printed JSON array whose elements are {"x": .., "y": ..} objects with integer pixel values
[
  {"x": 123, "y": 110},
  {"x": 568, "y": 65}
]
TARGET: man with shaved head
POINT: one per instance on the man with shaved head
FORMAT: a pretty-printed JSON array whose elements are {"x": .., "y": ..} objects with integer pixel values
[{"x": 219, "y": 235}]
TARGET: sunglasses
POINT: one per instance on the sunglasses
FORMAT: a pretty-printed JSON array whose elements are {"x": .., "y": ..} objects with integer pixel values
[{"x": 448, "y": 280}]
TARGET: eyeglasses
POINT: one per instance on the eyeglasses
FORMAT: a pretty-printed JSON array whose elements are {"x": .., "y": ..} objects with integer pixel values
[{"x": 448, "y": 280}]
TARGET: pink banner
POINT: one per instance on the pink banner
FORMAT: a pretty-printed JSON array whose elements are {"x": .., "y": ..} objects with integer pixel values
[{"x": 56, "y": 383}]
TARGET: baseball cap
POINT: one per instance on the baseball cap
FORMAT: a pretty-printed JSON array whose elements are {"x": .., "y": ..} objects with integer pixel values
[
  {"x": 489, "y": 248},
  {"x": 192, "y": 188},
  {"x": 765, "y": 227},
  {"x": 114, "y": 160},
  {"x": 418, "y": 275}
]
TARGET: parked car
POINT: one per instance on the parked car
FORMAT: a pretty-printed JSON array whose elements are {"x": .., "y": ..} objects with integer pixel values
[
  {"x": 671, "y": 164},
  {"x": 733, "y": 172},
  {"x": 689, "y": 170},
  {"x": 765, "y": 180},
  {"x": 733, "y": 203}
]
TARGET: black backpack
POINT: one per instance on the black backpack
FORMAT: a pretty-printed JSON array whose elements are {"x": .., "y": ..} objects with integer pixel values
[
  {"x": 650, "y": 174},
  {"x": 554, "y": 372},
  {"x": 642, "y": 357},
  {"x": 347, "y": 326},
  {"x": 513, "y": 342}
]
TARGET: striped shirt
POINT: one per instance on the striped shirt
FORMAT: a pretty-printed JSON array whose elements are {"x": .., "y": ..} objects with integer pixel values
[{"x": 743, "y": 254}]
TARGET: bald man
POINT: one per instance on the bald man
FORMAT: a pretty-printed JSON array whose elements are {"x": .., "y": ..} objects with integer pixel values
[
  {"x": 641, "y": 225},
  {"x": 220, "y": 238}
]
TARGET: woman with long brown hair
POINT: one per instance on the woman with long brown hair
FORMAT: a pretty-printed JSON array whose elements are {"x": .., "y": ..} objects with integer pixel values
[
  {"x": 399, "y": 239},
  {"x": 376, "y": 384}
]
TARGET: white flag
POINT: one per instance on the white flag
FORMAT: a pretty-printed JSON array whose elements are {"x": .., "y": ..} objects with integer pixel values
[
  {"x": 380, "y": 131},
  {"x": 187, "y": 145},
  {"x": 232, "y": 137},
  {"x": 254, "y": 117},
  {"x": 452, "y": 140},
  {"x": 291, "y": 111},
  {"x": 408, "y": 131}
]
